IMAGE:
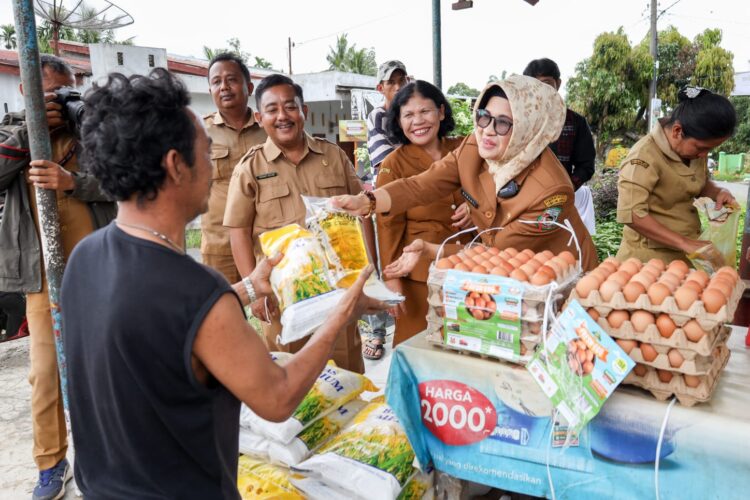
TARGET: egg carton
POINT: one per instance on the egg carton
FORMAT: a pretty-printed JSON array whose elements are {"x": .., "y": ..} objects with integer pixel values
[
  {"x": 531, "y": 317},
  {"x": 687, "y": 396},
  {"x": 692, "y": 364},
  {"x": 706, "y": 320},
  {"x": 678, "y": 340},
  {"x": 521, "y": 360},
  {"x": 435, "y": 333}
]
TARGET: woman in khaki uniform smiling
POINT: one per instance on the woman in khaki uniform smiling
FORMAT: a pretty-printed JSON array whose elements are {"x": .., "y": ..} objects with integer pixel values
[{"x": 665, "y": 171}]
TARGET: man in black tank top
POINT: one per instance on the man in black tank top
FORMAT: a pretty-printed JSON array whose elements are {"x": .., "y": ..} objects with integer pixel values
[{"x": 159, "y": 351}]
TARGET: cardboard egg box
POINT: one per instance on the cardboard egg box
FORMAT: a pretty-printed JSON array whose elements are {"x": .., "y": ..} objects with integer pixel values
[
  {"x": 523, "y": 359},
  {"x": 707, "y": 320},
  {"x": 693, "y": 363},
  {"x": 530, "y": 332},
  {"x": 678, "y": 340},
  {"x": 687, "y": 396}
]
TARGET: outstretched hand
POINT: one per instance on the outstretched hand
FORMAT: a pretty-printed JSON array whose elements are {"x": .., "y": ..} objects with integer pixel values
[
  {"x": 407, "y": 262},
  {"x": 355, "y": 303},
  {"x": 261, "y": 275},
  {"x": 358, "y": 205}
]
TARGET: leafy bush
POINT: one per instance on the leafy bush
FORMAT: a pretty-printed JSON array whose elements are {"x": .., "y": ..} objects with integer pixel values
[
  {"x": 604, "y": 189},
  {"x": 462, "y": 116},
  {"x": 193, "y": 238}
]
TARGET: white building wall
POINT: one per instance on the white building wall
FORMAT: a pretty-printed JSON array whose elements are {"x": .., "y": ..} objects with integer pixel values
[
  {"x": 10, "y": 98},
  {"x": 130, "y": 61}
]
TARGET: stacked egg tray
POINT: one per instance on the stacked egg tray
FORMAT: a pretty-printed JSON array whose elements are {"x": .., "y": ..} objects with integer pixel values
[
  {"x": 532, "y": 310},
  {"x": 678, "y": 351}
]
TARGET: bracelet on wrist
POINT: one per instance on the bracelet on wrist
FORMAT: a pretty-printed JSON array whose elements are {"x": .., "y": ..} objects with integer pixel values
[
  {"x": 373, "y": 201},
  {"x": 251, "y": 296}
]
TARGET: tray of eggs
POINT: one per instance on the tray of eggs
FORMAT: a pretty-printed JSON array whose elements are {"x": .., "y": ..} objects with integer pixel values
[
  {"x": 658, "y": 329},
  {"x": 657, "y": 287},
  {"x": 688, "y": 389}
]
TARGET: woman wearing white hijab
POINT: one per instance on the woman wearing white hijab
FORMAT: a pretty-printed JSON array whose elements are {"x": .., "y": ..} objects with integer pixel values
[{"x": 506, "y": 173}]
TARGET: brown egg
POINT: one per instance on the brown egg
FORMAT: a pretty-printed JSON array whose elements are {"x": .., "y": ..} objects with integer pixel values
[
  {"x": 535, "y": 264},
  {"x": 613, "y": 260},
  {"x": 678, "y": 267},
  {"x": 692, "y": 380},
  {"x": 540, "y": 279},
  {"x": 665, "y": 325},
  {"x": 693, "y": 331},
  {"x": 608, "y": 289},
  {"x": 658, "y": 264},
  {"x": 461, "y": 267},
  {"x": 608, "y": 266},
  {"x": 528, "y": 269},
  {"x": 694, "y": 285},
  {"x": 586, "y": 285},
  {"x": 699, "y": 276},
  {"x": 593, "y": 313},
  {"x": 657, "y": 293},
  {"x": 713, "y": 300},
  {"x": 641, "y": 320},
  {"x": 519, "y": 275},
  {"x": 640, "y": 369},
  {"x": 468, "y": 252},
  {"x": 729, "y": 272},
  {"x": 511, "y": 251},
  {"x": 548, "y": 271},
  {"x": 561, "y": 263},
  {"x": 513, "y": 261},
  {"x": 495, "y": 260},
  {"x": 444, "y": 264},
  {"x": 671, "y": 279},
  {"x": 629, "y": 267},
  {"x": 664, "y": 375},
  {"x": 648, "y": 352},
  {"x": 479, "y": 269},
  {"x": 506, "y": 266},
  {"x": 651, "y": 271},
  {"x": 685, "y": 297},
  {"x": 493, "y": 250},
  {"x": 644, "y": 279},
  {"x": 541, "y": 258},
  {"x": 722, "y": 286},
  {"x": 455, "y": 259},
  {"x": 620, "y": 277},
  {"x": 675, "y": 358},
  {"x": 601, "y": 275},
  {"x": 616, "y": 318},
  {"x": 626, "y": 345},
  {"x": 505, "y": 255},
  {"x": 633, "y": 290},
  {"x": 568, "y": 257},
  {"x": 498, "y": 271}
]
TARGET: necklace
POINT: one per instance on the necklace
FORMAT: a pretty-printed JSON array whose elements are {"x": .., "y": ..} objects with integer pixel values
[{"x": 159, "y": 235}]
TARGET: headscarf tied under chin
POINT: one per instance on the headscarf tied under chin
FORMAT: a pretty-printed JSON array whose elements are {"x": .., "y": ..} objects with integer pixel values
[{"x": 538, "y": 118}]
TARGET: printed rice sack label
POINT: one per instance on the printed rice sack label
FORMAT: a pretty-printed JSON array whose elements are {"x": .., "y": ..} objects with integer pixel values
[
  {"x": 483, "y": 313},
  {"x": 258, "y": 480},
  {"x": 333, "y": 388},
  {"x": 579, "y": 366},
  {"x": 371, "y": 458},
  {"x": 253, "y": 444},
  {"x": 419, "y": 487},
  {"x": 314, "y": 436}
]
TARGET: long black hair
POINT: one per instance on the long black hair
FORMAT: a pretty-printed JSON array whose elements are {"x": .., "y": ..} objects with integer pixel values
[
  {"x": 426, "y": 90},
  {"x": 703, "y": 115}
]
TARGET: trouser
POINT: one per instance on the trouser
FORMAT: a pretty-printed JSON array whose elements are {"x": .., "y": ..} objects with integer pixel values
[
  {"x": 14, "y": 307},
  {"x": 224, "y": 264},
  {"x": 347, "y": 352},
  {"x": 584, "y": 203}
]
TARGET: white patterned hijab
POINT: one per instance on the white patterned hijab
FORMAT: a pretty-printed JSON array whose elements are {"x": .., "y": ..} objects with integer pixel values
[{"x": 538, "y": 118}]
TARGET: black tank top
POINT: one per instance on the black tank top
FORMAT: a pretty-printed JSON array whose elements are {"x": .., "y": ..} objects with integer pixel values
[{"x": 143, "y": 426}]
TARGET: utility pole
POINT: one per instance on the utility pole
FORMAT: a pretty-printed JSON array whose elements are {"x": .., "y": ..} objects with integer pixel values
[
  {"x": 653, "y": 51},
  {"x": 289, "y": 44},
  {"x": 41, "y": 149},
  {"x": 437, "y": 56}
]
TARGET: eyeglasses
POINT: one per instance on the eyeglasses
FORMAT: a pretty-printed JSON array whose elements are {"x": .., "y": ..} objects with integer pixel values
[{"x": 502, "y": 124}]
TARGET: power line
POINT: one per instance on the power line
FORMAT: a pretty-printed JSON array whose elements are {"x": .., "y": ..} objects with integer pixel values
[{"x": 356, "y": 26}]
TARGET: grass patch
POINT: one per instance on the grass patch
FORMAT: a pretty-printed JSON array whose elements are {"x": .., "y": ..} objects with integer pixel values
[{"x": 193, "y": 238}]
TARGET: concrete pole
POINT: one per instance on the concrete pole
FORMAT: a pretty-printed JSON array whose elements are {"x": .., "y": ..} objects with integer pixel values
[
  {"x": 653, "y": 51},
  {"x": 39, "y": 143},
  {"x": 289, "y": 47},
  {"x": 437, "y": 51}
]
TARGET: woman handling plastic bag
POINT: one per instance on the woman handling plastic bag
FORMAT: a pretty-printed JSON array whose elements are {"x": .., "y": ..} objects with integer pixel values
[{"x": 506, "y": 173}]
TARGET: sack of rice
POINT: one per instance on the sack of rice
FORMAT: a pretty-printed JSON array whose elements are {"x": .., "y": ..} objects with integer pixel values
[{"x": 258, "y": 480}]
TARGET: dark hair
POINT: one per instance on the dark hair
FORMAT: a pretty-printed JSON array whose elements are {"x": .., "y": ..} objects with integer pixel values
[
  {"x": 273, "y": 81},
  {"x": 426, "y": 90},
  {"x": 129, "y": 125},
  {"x": 494, "y": 91},
  {"x": 56, "y": 65},
  {"x": 231, "y": 57},
  {"x": 542, "y": 67},
  {"x": 703, "y": 116}
]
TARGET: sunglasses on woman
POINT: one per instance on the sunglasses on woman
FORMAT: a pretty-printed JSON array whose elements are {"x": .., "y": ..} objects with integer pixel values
[{"x": 502, "y": 124}]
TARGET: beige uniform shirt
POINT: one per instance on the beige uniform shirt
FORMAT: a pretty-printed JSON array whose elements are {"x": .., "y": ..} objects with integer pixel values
[
  {"x": 229, "y": 146},
  {"x": 654, "y": 181},
  {"x": 266, "y": 189}
]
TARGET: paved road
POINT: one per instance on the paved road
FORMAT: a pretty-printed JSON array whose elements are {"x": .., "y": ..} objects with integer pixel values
[{"x": 738, "y": 189}]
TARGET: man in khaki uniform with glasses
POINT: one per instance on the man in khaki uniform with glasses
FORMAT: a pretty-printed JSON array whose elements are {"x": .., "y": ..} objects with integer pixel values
[
  {"x": 234, "y": 131},
  {"x": 266, "y": 193}
]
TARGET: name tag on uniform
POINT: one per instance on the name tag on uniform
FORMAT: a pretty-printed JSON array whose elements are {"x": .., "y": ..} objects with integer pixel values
[
  {"x": 266, "y": 176},
  {"x": 470, "y": 199}
]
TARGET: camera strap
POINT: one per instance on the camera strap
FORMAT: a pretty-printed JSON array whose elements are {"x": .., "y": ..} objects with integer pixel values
[{"x": 65, "y": 159}]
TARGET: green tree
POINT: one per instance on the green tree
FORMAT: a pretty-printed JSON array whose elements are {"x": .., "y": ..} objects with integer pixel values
[
  {"x": 337, "y": 55},
  {"x": 235, "y": 47},
  {"x": 740, "y": 141},
  {"x": 462, "y": 89},
  {"x": 262, "y": 63},
  {"x": 8, "y": 36},
  {"x": 348, "y": 58},
  {"x": 462, "y": 116}
]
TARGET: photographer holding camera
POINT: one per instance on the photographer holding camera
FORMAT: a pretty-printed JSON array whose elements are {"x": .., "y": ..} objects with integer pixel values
[{"x": 82, "y": 208}]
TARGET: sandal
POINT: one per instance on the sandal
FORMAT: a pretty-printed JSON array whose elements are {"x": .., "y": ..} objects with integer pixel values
[{"x": 373, "y": 349}]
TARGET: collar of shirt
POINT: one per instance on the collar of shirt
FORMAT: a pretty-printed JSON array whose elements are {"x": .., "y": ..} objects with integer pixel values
[
  {"x": 271, "y": 151},
  {"x": 660, "y": 138},
  {"x": 219, "y": 119}
]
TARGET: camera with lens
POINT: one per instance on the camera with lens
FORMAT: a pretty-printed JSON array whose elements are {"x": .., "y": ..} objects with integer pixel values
[{"x": 72, "y": 106}]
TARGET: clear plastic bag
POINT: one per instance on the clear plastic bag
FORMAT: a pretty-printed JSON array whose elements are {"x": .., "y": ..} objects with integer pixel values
[{"x": 721, "y": 230}]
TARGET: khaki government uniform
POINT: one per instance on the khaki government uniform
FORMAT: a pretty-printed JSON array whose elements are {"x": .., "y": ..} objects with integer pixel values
[
  {"x": 228, "y": 147},
  {"x": 545, "y": 195},
  {"x": 431, "y": 223},
  {"x": 266, "y": 193},
  {"x": 48, "y": 420},
  {"x": 654, "y": 181}
]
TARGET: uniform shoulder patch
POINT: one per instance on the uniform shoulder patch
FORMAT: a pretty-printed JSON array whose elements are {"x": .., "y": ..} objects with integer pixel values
[
  {"x": 640, "y": 163},
  {"x": 556, "y": 200},
  {"x": 545, "y": 222},
  {"x": 208, "y": 116}
]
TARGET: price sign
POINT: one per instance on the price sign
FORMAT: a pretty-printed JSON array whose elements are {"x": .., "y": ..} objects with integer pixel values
[{"x": 456, "y": 413}]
